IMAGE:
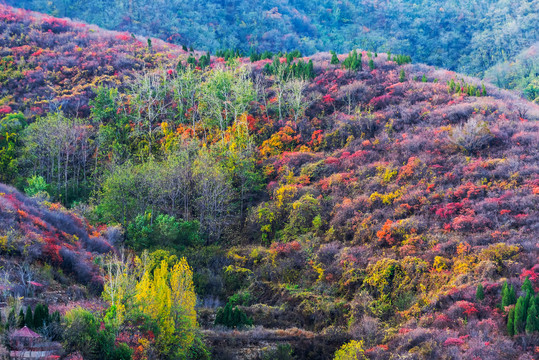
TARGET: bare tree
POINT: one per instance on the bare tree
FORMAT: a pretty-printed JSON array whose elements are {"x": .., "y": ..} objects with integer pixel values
[
  {"x": 149, "y": 102},
  {"x": 295, "y": 89}
]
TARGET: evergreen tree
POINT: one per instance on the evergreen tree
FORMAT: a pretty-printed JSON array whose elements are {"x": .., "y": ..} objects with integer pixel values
[
  {"x": 402, "y": 76},
  {"x": 520, "y": 315},
  {"x": 511, "y": 322},
  {"x": 310, "y": 70},
  {"x": 228, "y": 316},
  {"x": 254, "y": 56},
  {"x": 29, "y": 319},
  {"x": 12, "y": 321},
  {"x": 483, "y": 90},
  {"x": 423, "y": 78},
  {"x": 480, "y": 292},
  {"x": 21, "y": 318},
  {"x": 532, "y": 322},
  {"x": 512, "y": 295},
  {"x": 371, "y": 64},
  {"x": 452, "y": 89},
  {"x": 55, "y": 317},
  {"x": 289, "y": 58},
  {"x": 237, "y": 317},
  {"x": 219, "y": 317},
  {"x": 41, "y": 316},
  {"x": 352, "y": 62},
  {"x": 527, "y": 287},
  {"x": 334, "y": 58},
  {"x": 505, "y": 295}
]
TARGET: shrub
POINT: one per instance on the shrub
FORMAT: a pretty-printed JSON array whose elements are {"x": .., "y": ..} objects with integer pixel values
[
  {"x": 37, "y": 187},
  {"x": 352, "y": 350},
  {"x": 471, "y": 136},
  {"x": 232, "y": 317}
]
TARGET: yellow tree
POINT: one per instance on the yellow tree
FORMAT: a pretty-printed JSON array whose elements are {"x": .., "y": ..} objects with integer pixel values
[
  {"x": 352, "y": 350},
  {"x": 164, "y": 294},
  {"x": 167, "y": 296}
]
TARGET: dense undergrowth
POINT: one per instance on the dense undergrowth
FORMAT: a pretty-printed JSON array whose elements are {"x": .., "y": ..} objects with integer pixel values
[{"x": 356, "y": 197}]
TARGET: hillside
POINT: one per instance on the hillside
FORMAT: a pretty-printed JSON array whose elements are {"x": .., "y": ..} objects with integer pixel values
[
  {"x": 47, "y": 249},
  {"x": 520, "y": 73},
  {"x": 450, "y": 34},
  {"x": 321, "y": 201}
]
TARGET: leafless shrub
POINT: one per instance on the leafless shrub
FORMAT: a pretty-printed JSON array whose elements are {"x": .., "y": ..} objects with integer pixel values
[{"x": 471, "y": 136}]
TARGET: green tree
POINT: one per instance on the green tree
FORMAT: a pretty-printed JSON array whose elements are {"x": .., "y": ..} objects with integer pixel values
[
  {"x": 508, "y": 295},
  {"x": 480, "y": 293},
  {"x": 520, "y": 315},
  {"x": 371, "y": 64},
  {"x": 29, "y": 318},
  {"x": 532, "y": 322},
  {"x": 511, "y": 322},
  {"x": 232, "y": 317},
  {"x": 36, "y": 186},
  {"x": 41, "y": 316},
  {"x": 402, "y": 76},
  {"x": 11, "y": 127},
  {"x": 334, "y": 58},
  {"x": 21, "y": 319},
  {"x": 83, "y": 334},
  {"x": 527, "y": 287}
]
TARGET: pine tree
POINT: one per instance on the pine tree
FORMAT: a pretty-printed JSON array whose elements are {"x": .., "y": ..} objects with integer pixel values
[
  {"x": 480, "y": 292},
  {"x": 228, "y": 316},
  {"x": 527, "y": 287},
  {"x": 452, "y": 89},
  {"x": 41, "y": 315},
  {"x": 334, "y": 58},
  {"x": 532, "y": 322},
  {"x": 255, "y": 56},
  {"x": 511, "y": 322},
  {"x": 21, "y": 318},
  {"x": 219, "y": 317},
  {"x": 310, "y": 70},
  {"x": 505, "y": 295},
  {"x": 520, "y": 315},
  {"x": 29, "y": 319},
  {"x": 423, "y": 78},
  {"x": 237, "y": 317},
  {"x": 402, "y": 76},
  {"x": 371, "y": 64},
  {"x": 55, "y": 317},
  {"x": 512, "y": 295},
  {"x": 483, "y": 90}
]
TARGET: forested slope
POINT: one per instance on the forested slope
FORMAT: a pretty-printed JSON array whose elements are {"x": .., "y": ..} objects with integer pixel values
[
  {"x": 468, "y": 36},
  {"x": 353, "y": 199}
]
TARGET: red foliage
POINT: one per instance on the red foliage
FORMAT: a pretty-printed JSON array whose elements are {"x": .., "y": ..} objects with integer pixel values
[{"x": 5, "y": 109}]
